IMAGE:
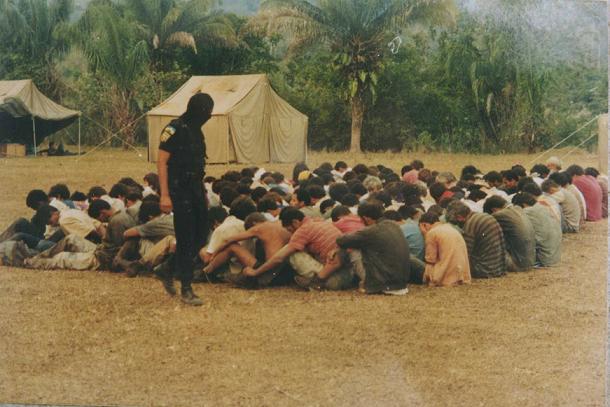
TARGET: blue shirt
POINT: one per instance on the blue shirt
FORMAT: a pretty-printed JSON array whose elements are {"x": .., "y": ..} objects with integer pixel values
[{"x": 410, "y": 229}]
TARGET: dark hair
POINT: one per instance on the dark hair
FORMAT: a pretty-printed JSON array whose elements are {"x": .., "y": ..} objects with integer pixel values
[
  {"x": 43, "y": 214},
  {"x": 540, "y": 169},
  {"x": 407, "y": 211},
  {"x": 247, "y": 172},
  {"x": 524, "y": 181},
  {"x": 253, "y": 219},
  {"x": 288, "y": 214},
  {"x": 548, "y": 184},
  {"x": 476, "y": 195},
  {"x": 357, "y": 188},
  {"x": 298, "y": 168},
  {"x": 494, "y": 202},
  {"x": 96, "y": 207},
  {"x": 340, "y": 164},
  {"x": 131, "y": 183},
  {"x": 469, "y": 170},
  {"x": 370, "y": 210},
  {"x": 455, "y": 209},
  {"x": 78, "y": 196},
  {"x": 200, "y": 106},
  {"x": 208, "y": 179},
  {"x": 326, "y": 204},
  {"x": 151, "y": 197},
  {"x": 361, "y": 169},
  {"x": 232, "y": 176},
  {"x": 59, "y": 191},
  {"x": 393, "y": 215},
  {"x": 349, "y": 200},
  {"x": 532, "y": 188},
  {"x": 493, "y": 176},
  {"x": 228, "y": 195},
  {"x": 437, "y": 190},
  {"x": 417, "y": 164},
  {"x": 148, "y": 209},
  {"x": 278, "y": 177},
  {"x": 134, "y": 195},
  {"x": 303, "y": 196},
  {"x": 338, "y": 191},
  {"x": 266, "y": 204},
  {"x": 429, "y": 217},
  {"x": 519, "y": 170},
  {"x": 510, "y": 175},
  {"x": 242, "y": 207},
  {"x": 257, "y": 193},
  {"x": 382, "y": 197},
  {"x": 217, "y": 214},
  {"x": 243, "y": 189},
  {"x": 561, "y": 178},
  {"x": 316, "y": 191},
  {"x": 405, "y": 169},
  {"x": 572, "y": 170},
  {"x": 118, "y": 190},
  {"x": 152, "y": 180},
  {"x": 592, "y": 172},
  {"x": 437, "y": 209},
  {"x": 338, "y": 212},
  {"x": 349, "y": 175},
  {"x": 36, "y": 198},
  {"x": 523, "y": 198}
]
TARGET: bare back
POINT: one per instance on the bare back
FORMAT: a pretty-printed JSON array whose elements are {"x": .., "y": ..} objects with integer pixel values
[{"x": 273, "y": 236}]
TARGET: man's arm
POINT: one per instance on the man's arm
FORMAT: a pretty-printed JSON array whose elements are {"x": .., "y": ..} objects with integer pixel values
[
  {"x": 131, "y": 232},
  {"x": 354, "y": 240},
  {"x": 248, "y": 234},
  {"x": 277, "y": 259},
  {"x": 165, "y": 202}
]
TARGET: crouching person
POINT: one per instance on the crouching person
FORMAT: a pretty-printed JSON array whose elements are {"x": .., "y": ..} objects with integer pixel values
[
  {"x": 382, "y": 250},
  {"x": 310, "y": 253}
]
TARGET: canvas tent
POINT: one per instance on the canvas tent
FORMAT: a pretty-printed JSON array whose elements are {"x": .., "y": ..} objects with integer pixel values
[
  {"x": 250, "y": 122},
  {"x": 27, "y": 116},
  {"x": 602, "y": 146}
]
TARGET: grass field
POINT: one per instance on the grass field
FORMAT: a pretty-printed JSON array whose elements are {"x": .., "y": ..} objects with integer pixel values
[{"x": 535, "y": 338}]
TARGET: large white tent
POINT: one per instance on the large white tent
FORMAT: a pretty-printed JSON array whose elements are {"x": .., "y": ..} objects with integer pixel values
[{"x": 250, "y": 122}]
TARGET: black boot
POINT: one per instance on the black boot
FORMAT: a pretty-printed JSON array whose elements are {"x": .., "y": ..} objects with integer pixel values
[
  {"x": 164, "y": 273},
  {"x": 189, "y": 297}
]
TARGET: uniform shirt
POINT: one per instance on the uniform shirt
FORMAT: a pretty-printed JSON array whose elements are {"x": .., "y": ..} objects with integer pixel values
[
  {"x": 446, "y": 257},
  {"x": 548, "y": 235},
  {"x": 186, "y": 147},
  {"x": 157, "y": 228},
  {"x": 316, "y": 237},
  {"x": 114, "y": 239},
  {"x": 485, "y": 244}
]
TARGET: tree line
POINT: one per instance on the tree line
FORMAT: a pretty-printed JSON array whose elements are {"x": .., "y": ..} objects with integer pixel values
[{"x": 442, "y": 75}]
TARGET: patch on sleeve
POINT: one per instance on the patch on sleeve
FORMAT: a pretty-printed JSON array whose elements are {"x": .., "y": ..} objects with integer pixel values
[{"x": 167, "y": 133}]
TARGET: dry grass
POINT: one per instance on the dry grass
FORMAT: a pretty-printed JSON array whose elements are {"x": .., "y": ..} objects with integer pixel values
[{"x": 535, "y": 338}]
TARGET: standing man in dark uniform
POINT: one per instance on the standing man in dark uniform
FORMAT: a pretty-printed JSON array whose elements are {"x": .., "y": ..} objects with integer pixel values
[{"x": 180, "y": 166}]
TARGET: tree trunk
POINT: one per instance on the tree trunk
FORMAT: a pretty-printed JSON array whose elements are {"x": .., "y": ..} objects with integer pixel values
[{"x": 357, "y": 118}]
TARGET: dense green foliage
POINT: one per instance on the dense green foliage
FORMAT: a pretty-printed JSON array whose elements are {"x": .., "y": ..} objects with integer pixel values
[{"x": 471, "y": 75}]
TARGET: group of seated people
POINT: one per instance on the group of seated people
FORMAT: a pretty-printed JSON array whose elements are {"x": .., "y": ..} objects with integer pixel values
[{"x": 332, "y": 227}]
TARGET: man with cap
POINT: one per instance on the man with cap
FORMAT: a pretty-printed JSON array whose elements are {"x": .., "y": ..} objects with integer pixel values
[{"x": 180, "y": 165}]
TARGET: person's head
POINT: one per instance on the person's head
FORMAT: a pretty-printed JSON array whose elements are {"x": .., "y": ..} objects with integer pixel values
[
  {"x": 519, "y": 170},
  {"x": 46, "y": 215},
  {"x": 152, "y": 180},
  {"x": 133, "y": 196},
  {"x": 494, "y": 204},
  {"x": 349, "y": 200},
  {"x": 232, "y": 176},
  {"x": 358, "y": 189},
  {"x": 341, "y": 166},
  {"x": 405, "y": 169},
  {"x": 254, "y": 219},
  {"x": 476, "y": 195},
  {"x": 326, "y": 205},
  {"x": 409, "y": 212},
  {"x": 437, "y": 190},
  {"x": 337, "y": 191},
  {"x": 100, "y": 210},
  {"x": 532, "y": 188},
  {"x": 339, "y": 212},
  {"x": 469, "y": 170},
  {"x": 257, "y": 193},
  {"x": 382, "y": 197},
  {"x": 447, "y": 179},
  {"x": 457, "y": 213},
  {"x": 228, "y": 195},
  {"x": 316, "y": 192},
  {"x": 372, "y": 184},
  {"x": 242, "y": 207},
  {"x": 131, "y": 183},
  {"x": 510, "y": 179},
  {"x": 553, "y": 164},
  {"x": 78, "y": 196},
  {"x": 60, "y": 192},
  {"x": 417, "y": 165},
  {"x": 247, "y": 172},
  {"x": 216, "y": 215},
  {"x": 592, "y": 172},
  {"x": 561, "y": 178},
  {"x": 36, "y": 198},
  {"x": 541, "y": 170},
  {"x": 149, "y": 210},
  {"x": 549, "y": 186},
  {"x": 119, "y": 191},
  {"x": 298, "y": 168},
  {"x": 572, "y": 170},
  {"x": 151, "y": 197},
  {"x": 524, "y": 181},
  {"x": 361, "y": 169},
  {"x": 269, "y": 205},
  {"x": 426, "y": 176},
  {"x": 427, "y": 222},
  {"x": 493, "y": 179},
  {"x": 393, "y": 216},
  {"x": 370, "y": 212},
  {"x": 300, "y": 198},
  {"x": 243, "y": 190},
  {"x": 524, "y": 200},
  {"x": 291, "y": 218},
  {"x": 199, "y": 109}
]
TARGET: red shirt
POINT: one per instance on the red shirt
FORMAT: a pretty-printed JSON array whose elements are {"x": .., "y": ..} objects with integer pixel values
[
  {"x": 411, "y": 176},
  {"x": 316, "y": 237},
  {"x": 349, "y": 224},
  {"x": 590, "y": 189}
]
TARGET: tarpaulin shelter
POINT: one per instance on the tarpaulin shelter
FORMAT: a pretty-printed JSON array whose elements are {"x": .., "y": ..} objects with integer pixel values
[
  {"x": 250, "y": 123},
  {"x": 602, "y": 142},
  {"x": 27, "y": 116}
]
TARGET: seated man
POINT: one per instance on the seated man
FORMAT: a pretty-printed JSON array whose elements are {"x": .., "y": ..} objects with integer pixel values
[
  {"x": 271, "y": 235},
  {"x": 309, "y": 251},
  {"x": 301, "y": 200},
  {"x": 345, "y": 220},
  {"x": 33, "y": 233},
  {"x": 548, "y": 232},
  {"x": 484, "y": 240},
  {"x": 446, "y": 253},
  {"x": 571, "y": 215},
  {"x": 35, "y": 199},
  {"x": 518, "y": 233},
  {"x": 590, "y": 189},
  {"x": 384, "y": 252},
  {"x": 76, "y": 253}
]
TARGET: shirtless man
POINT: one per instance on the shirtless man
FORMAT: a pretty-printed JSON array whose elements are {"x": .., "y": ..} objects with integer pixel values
[{"x": 271, "y": 235}]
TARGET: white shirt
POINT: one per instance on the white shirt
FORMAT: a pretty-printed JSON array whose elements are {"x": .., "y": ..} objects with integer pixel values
[
  {"x": 59, "y": 205},
  {"x": 227, "y": 229}
]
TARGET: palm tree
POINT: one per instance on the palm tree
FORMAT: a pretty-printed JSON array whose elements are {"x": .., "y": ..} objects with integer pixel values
[{"x": 356, "y": 32}]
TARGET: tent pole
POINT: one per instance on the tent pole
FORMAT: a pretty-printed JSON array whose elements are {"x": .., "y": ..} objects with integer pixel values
[
  {"x": 34, "y": 133},
  {"x": 79, "y": 135}
]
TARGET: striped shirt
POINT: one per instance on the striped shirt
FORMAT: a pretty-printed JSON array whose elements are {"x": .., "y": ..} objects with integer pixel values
[
  {"x": 485, "y": 244},
  {"x": 519, "y": 236}
]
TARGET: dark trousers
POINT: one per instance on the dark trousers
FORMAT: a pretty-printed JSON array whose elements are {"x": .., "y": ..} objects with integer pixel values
[
  {"x": 190, "y": 224},
  {"x": 21, "y": 225}
]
